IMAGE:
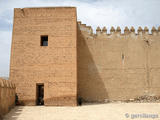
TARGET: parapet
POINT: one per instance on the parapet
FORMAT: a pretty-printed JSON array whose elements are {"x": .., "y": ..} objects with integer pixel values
[
  {"x": 6, "y": 83},
  {"x": 126, "y": 31},
  {"x": 83, "y": 27},
  {"x": 44, "y": 12},
  {"x": 7, "y": 96}
]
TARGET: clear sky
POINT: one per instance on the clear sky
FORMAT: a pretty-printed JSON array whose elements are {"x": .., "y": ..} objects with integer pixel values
[{"x": 91, "y": 12}]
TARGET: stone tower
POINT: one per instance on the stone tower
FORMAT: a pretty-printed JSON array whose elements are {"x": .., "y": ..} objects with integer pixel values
[{"x": 44, "y": 55}]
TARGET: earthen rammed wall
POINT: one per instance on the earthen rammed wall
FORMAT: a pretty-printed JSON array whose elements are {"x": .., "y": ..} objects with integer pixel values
[
  {"x": 118, "y": 66},
  {"x": 7, "y": 96},
  {"x": 54, "y": 65}
]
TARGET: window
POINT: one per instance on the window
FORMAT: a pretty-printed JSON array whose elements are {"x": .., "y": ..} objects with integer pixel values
[{"x": 44, "y": 40}]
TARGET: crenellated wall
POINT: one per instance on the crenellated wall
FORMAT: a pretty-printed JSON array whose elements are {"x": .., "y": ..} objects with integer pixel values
[
  {"x": 112, "y": 66},
  {"x": 118, "y": 66},
  {"x": 7, "y": 96}
]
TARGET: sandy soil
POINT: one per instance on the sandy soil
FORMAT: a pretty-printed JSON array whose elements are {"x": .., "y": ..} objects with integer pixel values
[{"x": 111, "y": 111}]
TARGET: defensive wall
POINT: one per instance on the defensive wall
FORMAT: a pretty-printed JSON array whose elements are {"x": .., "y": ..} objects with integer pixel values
[
  {"x": 116, "y": 66},
  {"x": 7, "y": 96},
  {"x": 76, "y": 62}
]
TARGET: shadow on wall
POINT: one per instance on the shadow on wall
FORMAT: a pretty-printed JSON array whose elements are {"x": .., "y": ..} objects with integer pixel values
[
  {"x": 90, "y": 85},
  {"x": 7, "y": 96},
  {"x": 14, "y": 114}
]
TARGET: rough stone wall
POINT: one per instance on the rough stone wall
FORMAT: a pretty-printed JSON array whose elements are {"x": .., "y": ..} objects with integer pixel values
[
  {"x": 118, "y": 66},
  {"x": 7, "y": 96},
  {"x": 54, "y": 65}
]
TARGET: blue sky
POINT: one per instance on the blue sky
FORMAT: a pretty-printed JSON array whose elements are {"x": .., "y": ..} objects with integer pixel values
[{"x": 91, "y": 12}]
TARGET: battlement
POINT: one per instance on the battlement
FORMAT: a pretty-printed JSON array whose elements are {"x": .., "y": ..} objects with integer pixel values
[
  {"x": 83, "y": 27},
  {"x": 126, "y": 31},
  {"x": 6, "y": 83},
  {"x": 7, "y": 96}
]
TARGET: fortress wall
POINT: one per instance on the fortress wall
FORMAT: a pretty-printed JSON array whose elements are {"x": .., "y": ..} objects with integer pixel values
[
  {"x": 117, "y": 66},
  {"x": 54, "y": 65},
  {"x": 7, "y": 96}
]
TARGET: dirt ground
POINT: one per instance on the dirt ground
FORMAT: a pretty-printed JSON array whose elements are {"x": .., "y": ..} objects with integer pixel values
[{"x": 110, "y": 111}]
